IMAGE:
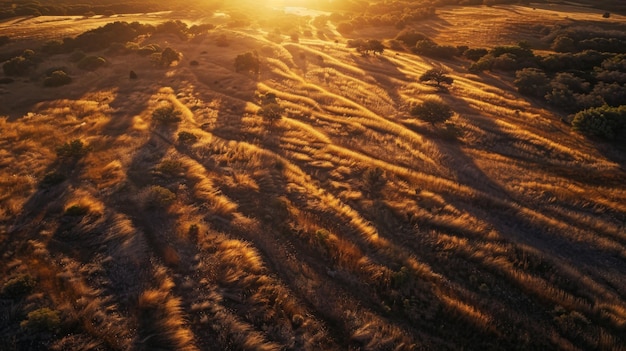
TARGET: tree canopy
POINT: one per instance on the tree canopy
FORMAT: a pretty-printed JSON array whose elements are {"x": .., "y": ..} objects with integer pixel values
[
  {"x": 436, "y": 75},
  {"x": 432, "y": 111}
]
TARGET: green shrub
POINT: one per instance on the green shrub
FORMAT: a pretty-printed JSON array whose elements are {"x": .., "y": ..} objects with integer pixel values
[
  {"x": 475, "y": 54},
  {"x": 605, "y": 122},
  {"x": 42, "y": 320},
  {"x": 166, "y": 115},
  {"x": 91, "y": 63},
  {"x": 18, "y": 286},
  {"x": 57, "y": 79},
  {"x": 432, "y": 111}
]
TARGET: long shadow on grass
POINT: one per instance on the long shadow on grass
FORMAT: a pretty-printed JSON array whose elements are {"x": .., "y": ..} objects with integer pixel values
[{"x": 519, "y": 228}]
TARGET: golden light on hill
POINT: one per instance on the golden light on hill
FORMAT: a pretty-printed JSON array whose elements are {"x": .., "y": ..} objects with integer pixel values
[{"x": 168, "y": 182}]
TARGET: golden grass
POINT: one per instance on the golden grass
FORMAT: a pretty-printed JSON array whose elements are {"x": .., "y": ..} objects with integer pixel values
[{"x": 274, "y": 241}]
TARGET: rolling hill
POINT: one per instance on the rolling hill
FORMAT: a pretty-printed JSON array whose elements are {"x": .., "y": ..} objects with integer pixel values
[{"x": 167, "y": 213}]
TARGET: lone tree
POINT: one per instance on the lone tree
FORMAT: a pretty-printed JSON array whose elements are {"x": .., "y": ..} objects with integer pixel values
[
  {"x": 432, "y": 111},
  {"x": 437, "y": 75}
]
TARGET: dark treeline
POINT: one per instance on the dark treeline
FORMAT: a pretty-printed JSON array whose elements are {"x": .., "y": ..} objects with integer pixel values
[{"x": 10, "y": 9}]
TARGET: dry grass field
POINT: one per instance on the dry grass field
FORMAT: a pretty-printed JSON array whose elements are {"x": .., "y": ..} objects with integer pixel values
[{"x": 347, "y": 224}]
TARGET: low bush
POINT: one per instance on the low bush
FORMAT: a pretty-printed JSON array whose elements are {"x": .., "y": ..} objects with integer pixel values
[
  {"x": 159, "y": 197},
  {"x": 42, "y": 320},
  {"x": 605, "y": 122},
  {"x": 56, "y": 79},
  {"x": 187, "y": 138},
  {"x": 91, "y": 63},
  {"x": 432, "y": 111},
  {"x": 74, "y": 148},
  {"x": 18, "y": 286}
]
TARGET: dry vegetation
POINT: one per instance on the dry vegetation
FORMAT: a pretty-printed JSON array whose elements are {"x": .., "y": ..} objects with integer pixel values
[{"x": 346, "y": 224}]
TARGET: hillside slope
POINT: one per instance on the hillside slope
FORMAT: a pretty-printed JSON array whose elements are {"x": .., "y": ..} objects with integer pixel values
[{"x": 346, "y": 224}]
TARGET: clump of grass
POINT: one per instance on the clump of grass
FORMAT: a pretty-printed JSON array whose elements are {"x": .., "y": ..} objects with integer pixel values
[
  {"x": 170, "y": 167},
  {"x": 166, "y": 115},
  {"x": 159, "y": 197}
]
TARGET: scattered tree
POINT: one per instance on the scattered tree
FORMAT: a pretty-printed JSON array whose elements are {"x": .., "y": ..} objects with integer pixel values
[
  {"x": 432, "y": 111},
  {"x": 436, "y": 75}
]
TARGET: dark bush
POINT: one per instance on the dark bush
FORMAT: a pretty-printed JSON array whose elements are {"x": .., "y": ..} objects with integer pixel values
[
  {"x": 187, "y": 138},
  {"x": 605, "y": 122},
  {"x": 159, "y": 197},
  {"x": 475, "y": 54},
  {"x": 42, "y": 320},
  {"x": 563, "y": 44},
  {"x": 532, "y": 81},
  {"x": 17, "y": 66},
  {"x": 248, "y": 62},
  {"x": 132, "y": 75},
  {"x": 76, "y": 211},
  {"x": 91, "y": 63},
  {"x": 56, "y": 79},
  {"x": 271, "y": 112},
  {"x": 432, "y": 49},
  {"x": 432, "y": 111},
  {"x": 410, "y": 37},
  {"x": 18, "y": 286},
  {"x": 168, "y": 56},
  {"x": 74, "y": 148}
]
